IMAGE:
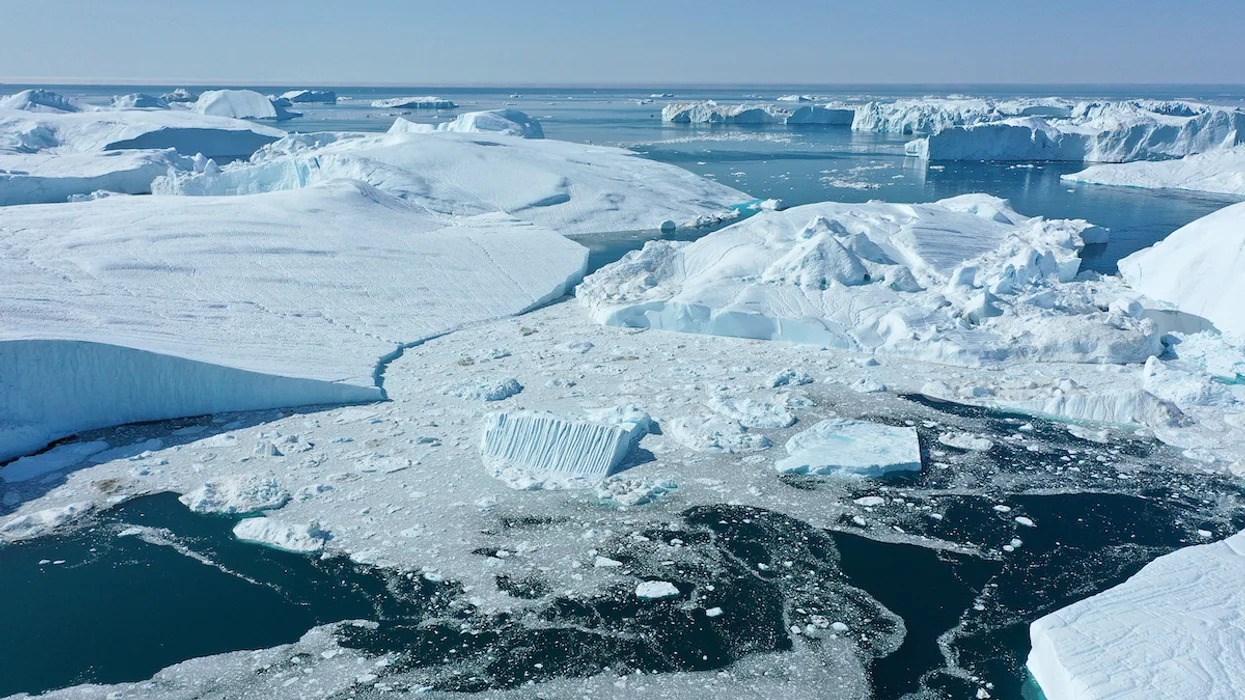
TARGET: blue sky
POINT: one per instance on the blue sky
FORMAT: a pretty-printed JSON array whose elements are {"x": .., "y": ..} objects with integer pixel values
[{"x": 415, "y": 42}]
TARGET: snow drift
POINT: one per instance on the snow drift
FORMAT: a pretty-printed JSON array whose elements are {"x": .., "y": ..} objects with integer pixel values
[
  {"x": 965, "y": 281},
  {"x": 130, "y": 308}
]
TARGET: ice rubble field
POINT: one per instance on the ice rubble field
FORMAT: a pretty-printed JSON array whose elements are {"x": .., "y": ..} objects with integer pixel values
[{"x": 347, "y": 267}]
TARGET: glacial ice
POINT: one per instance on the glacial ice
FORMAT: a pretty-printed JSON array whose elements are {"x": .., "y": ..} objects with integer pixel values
[
  {"x": 965, "y": 281},
  {"x": 225, "y": 284},
  {"x": 236, "y": 495},
  {"x": 543, "y": 442},
  {"x": 569, "y": 187},
  {"x": 42, "y": 178},
  {"x": 428, "y": 102},
  {"x": 846, "y": 447},
  {"x": 54, "y": 460},
  {"x": 240, "y": 104},
  {"x": 310, "y": 96},
  {"x": 1175, "y": 630},
  {"x": 1198, "y": 268},
  {"x": 509, "y": 122},
  {"x": 43, "y": 522},
  {"x": 711, "y": 112},
  {"x": 37, "y": 100},
  {"x": 179, "y": 95},
  {"x": 656, "y": 590},
  {"x": 138, "y": 100},
  {"x": 300, "y": 538},
  {"x": 1219, "y": 171},
  {"x": 821, "y": 115}
]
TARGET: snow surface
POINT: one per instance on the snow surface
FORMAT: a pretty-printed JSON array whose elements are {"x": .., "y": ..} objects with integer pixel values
[
  {"x": 240, "y": 104},
  {"x": 568, "y": 187},
  {"x": 1198, "y": 268},
  {"x": 1221, "y": 171},
  {"x": 1175, "y": 630},
  {"x": 225, "y": 284},
  {"x": 106, "y": 130},
  {"x": 427, "y": 102},
  {"x": 964, "y": 281},
  {"x": 846, "y": 447}
]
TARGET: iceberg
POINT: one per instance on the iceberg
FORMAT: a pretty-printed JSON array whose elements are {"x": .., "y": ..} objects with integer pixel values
[
  {"x": 310, "y": 96},
  {"x": 543, "y": 442},
  {"x": 38, "y": 101},
  {"x": 109, "y": 130},
  {"x": 224, "y": 284},
  {"x": 38, "y": 178},
  {"x": 821, "y": 115},
  {"x": 931, "y": 115},
  {"x": 711, "y": 112},
  {"x": 299, "y": 538},
  {"x": 1219, "y": 171},
  {"x": 240, "y": 104},
  {"x": 1176, "y": 629},
  {"x": 569, "y": 187},
  {"x": 427, "y": 102},
  {"x": 137, "y": 100},
  {"x": 510, "y": 122},
  {"x": 965, "y": 281},
  {"x": 1111, "y": 132},
  {"x": 1197, "y": 269},
  {"x": 179, "y": 95},
  {"x": 846, "y": 447}
]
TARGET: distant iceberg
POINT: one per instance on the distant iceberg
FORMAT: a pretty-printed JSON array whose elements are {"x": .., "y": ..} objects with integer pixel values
[
  {"x": 427, "y": 102},
  {"x": 510, "y": 122},
  {"x": 711, "y": 112},
  {"x": 1218, "y": 171},
  {"x": 39, "y": 101},
  {"x": 240, "y": 104},
  {"x": 310, "y": 96},
  {"x": 137, "y": 100},
  {"x": 179, "y": 95}
]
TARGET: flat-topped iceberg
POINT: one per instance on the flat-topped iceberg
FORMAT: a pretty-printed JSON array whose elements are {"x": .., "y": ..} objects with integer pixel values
[
  {"x": 1198, "y": 268},
  {"x": 569, "y": 187},
  {"x": 240, "y": 104},
  {"x": 35, "y": 178},
  {"x": 1175, "y": 630},
  {"x": 525, "y": 446},
  {"x": 710, "y": 112},
  {"x": 964, "y": 281},
  {"x": 930, "y": 115},
  {"x": 427, "y": 102},
  {"x": 37, "y": 100},
  {"x": 224, "y": 284},
  {"x": 846, "y": 447},
  {"x": 510, "y": 122},
  {"x": 310, "y": 96},
  {"x": 1109, "y": 132},
  {"x": 821, "y": 115},
  {"x": 1220, "y": 171}
]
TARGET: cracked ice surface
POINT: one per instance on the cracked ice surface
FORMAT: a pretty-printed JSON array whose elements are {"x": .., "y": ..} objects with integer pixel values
[{"x": 128, "y": 309}]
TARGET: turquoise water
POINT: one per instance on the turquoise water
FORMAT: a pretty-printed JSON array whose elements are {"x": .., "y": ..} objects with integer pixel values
[{"x": 797, "y": 164}]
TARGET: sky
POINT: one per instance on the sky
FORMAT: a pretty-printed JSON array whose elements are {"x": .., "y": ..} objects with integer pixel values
[{"x": 603, "y": 42}]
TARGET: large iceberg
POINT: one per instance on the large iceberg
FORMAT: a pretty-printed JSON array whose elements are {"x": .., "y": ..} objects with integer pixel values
[
  {"x": 510, "y": 122},
  {"x": 821, "y": 115},
  {"x": 1110, "y": 132},
  {"x": 569, "y": 187},
  {"x": 930, "y": 115},
  {"x": 710, "y": 112},
  {"x": 35, "y": 178},
  {"x": 1220, "y": 171},
  {"x": 138, "y": 100},
  {"x": 1174, "y": 630},
  {"x": 964, "y": 281},
  {"x": 427, "y": 102},
  {"x": 139, "y": 308},
  {"x": 37, "y": 100},
  {"x": 240, "y": 104},
  {"x": 1198, "y": 268}
]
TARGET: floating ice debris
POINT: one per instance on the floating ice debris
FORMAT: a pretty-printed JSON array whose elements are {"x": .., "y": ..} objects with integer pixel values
[
  {"x": 302, "y": 538},
  {"x": 316, "y": 96},
  {"x": 790, "y": 377},
  {"x": 484, "y": 389},
  {"x": 43, "y": 522},
  {"x": 751, "y": 413},
  {"x": 966, "y": 441},
  {"x": 624, "y": 491},
  {"x": 656, "y": 590},
  {"x": 845, "y": 447},
  {"x": 236, "y": 495},
  {"x": 715, "y": 434}
]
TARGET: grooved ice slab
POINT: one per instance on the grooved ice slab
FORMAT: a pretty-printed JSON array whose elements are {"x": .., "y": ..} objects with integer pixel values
[
  {"x": 569, "y": 187},
  {"x": 846, "y": 447},
  {"x": 1174, "y": 631},
  {"x": 543, "y": 442},
  {"x": 138, "y": 308},
  {"x": 1198, "y": 269},
  {"x": 964, "y": 281}
]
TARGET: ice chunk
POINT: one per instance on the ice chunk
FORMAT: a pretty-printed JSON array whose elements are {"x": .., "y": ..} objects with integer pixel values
[
  {"x": 238, "y": 494},
  {"x": 240, "y": 104},
  {"x": 966, "y": 441},
  {"x": 428, "y": 102},
  {"x": 846, "y": 447},
  {"x": 965, "y": 281},
  {"x": 54, "y": 460},
  {"x": 43, "y": 522},
  {"x": 1176, "y": 629},
  {"x": 225, "y": 283},
  {"x": 1221, "y": 171},
  {"x": 715, "y": 434},
  {"x": 569, "y": 187},
  {"x": 38, "y": 101},
  {"x": 300, "y": 538},
  {"x": 179, "y": 95},
  {"x": 751, "y": 413},
  {"x": 1197, "y": 269},
  {"x": 317, "y": 96},
  {"x": 484, "y": 390},
  {"x": 543, "y": 442},
  {"x": 656, "y": 590}
]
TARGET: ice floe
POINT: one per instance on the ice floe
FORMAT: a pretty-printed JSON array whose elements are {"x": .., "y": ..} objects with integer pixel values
[
  {"x": 1176, "y": 629},
  {"x": 568, "y": 187},
  {"x": 225, "y": 284},
  {"x": 846, "y": 447},
  {"x": 963, "y": 281},
  {"x": 302, "y": 538}
]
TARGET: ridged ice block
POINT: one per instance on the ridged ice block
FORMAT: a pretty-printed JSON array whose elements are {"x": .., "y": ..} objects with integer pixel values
[{"x": 544, "y": 442}]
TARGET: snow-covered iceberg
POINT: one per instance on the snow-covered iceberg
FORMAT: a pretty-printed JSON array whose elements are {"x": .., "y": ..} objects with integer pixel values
[
  {"x": 510, "y": 122},
  {"x": 139, "y": 308},
  {"x": 1198, "y": 268},
  {"x": 1220, "y": 171},
  {"x": 138, "y": 100},
  {"x": 37, "y": 100},
  {"x": 426, "y": 102},
  {"x": 930, "y": 115},
  {"x": 1176, "y": 629},
  {"x": 569, "y": 187},
  {"x": 964, "y": 281},
  {"x": 1111, "y": 132},
  {"x": 240, "y": 104},
  {"x": 846, "y": 447},
  {"x": 310, "y": 96},
  {"x": 710, "y": 112},
  {"x": 35, "y": 178}
]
